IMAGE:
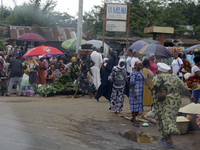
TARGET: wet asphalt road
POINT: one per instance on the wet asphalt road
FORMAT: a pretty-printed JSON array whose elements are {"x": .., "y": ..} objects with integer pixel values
[
  {"x": 63, "y": 123},
  {"x": 21, "y": 135}
]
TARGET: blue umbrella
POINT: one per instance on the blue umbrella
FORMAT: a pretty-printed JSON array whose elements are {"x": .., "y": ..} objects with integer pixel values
[
  {"x": 141, "y": 43},
  {"x": 156, "y": 49},
  {"x": 188, "y": 50}
]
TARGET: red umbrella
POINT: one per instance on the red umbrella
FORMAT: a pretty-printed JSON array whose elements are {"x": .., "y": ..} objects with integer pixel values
[
  {"x": 31, "y": 37},
  {"x": 47, "y": 51}
]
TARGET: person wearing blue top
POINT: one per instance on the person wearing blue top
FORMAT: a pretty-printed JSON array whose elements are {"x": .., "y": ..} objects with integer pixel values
[{"x": 105, "y": 89}]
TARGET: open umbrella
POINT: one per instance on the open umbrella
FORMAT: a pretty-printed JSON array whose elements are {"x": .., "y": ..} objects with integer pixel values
[
  {"x": 71, "y": 44},
  {"x": 189, "y": 49},
  {"x": 9, "y": 46},
  {"x": 31, "y": 37},
  {"x": 96, "y": 43},
  {"x": 141, "y": 43},
  {"x": 156, "y": 49},
  {"x": 47, "y": 51}
]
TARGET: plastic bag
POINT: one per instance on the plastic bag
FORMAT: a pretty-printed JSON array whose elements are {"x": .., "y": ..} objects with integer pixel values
[
  {"x": 150, "y": 114},
  {"x": 25, "y": 77},
  {"x": 25, "y": 80},
  {"x": 90, "y": 78}
]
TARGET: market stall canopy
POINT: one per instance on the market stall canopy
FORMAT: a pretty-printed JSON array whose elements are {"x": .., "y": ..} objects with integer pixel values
[
  {"x": 71, "y": 43},
  {"x": 96, "y": 43},
  {"x": 141, "y": 43},
  {"x": 31, "y": 37},
  {"x": 188, "y": 50},
  {"x": 46, "y": 51},
  {"x": 156, "y": 49}
]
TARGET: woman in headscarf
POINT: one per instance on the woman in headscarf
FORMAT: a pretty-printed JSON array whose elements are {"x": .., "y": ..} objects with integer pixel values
[
  {"x": 33, "y": 73},
  {"x": 195, "y": 79},
  {"x": 166, "y": 102},
  {"x": 84, "y": 85},
  {"x": 136, "y": 91},
  {"x": 153, "y": 67},
  {"x": 41, "y": 76},
  {"x": 117, "y": 77},
  {"x": 105, "y": 89},
  {"x": 129, "y": 70},
  {"x": 186, "y": 64},
  {"x": 147, "y": 97}
]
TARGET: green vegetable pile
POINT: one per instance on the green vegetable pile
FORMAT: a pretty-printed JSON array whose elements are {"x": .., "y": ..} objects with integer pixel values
[
  {"x": 63, "y": 84},
  {"x": 46, "y": 89}
]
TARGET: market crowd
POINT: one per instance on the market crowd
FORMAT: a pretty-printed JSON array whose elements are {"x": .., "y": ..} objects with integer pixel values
[{"x": 145, "y": 83}]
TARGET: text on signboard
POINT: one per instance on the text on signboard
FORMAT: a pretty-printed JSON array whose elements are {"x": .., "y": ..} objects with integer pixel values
[{"x": 116, "y": 10}]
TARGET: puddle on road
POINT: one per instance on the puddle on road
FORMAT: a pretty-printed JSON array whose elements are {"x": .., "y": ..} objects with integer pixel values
[{"x": 140, "y": 137}]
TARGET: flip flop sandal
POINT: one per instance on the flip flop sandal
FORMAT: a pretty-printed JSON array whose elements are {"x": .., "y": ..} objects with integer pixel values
[
  {"x": 162, "y": 141},
  {"x": 136, "y": 124},
  {"x": 166, "y": 145}
]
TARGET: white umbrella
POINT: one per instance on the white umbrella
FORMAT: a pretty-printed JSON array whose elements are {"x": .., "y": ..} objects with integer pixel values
[{"x": 96, "y": 43}]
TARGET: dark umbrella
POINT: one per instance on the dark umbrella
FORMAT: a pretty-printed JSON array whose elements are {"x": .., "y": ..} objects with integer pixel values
[
  {"x": 156, "y": 49},
  {"x": 141, "y": 43},
  {"x": 188, "y": 50},
  {"x": 31, "y": 37}
]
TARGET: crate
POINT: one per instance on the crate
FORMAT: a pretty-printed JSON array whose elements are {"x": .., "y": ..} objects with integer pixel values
[
  {"x": 28, "y": 87},
  {"x": 29, "y": 93}
]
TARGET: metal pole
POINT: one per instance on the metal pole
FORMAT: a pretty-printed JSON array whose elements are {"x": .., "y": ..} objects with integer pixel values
[
  {"x": 104, "y": 23},
  {"x": 79, "y": 26},
  {"x": 128, "y": 27},
  {"x": 2, "y": 9}
]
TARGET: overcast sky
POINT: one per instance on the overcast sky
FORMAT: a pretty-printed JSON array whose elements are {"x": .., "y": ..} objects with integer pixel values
[{"x": 69, "y": 6}]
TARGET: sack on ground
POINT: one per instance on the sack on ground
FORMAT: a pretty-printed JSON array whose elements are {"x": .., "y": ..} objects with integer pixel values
[{"x": 150, "y": 114}]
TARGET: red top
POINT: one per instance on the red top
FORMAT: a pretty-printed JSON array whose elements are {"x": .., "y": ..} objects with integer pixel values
[{"x": 153, "y": 67}]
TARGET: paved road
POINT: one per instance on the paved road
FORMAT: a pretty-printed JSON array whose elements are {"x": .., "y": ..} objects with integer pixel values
[
  {"x": 35, "y": 123},
  {"x": 17, "y": 135}
]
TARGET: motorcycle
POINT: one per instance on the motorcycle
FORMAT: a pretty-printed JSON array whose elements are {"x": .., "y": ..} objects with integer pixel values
[{"x": 2, "y": 84}]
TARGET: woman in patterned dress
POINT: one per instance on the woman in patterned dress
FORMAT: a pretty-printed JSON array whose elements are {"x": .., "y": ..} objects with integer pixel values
[
  {"x": 136, "y": 91},
  {"x": 187, "y": 65},
  {"x": 166, "y": 102},
  {"x": 117, "y": 96},
  {"x": 83, "y": 82}
]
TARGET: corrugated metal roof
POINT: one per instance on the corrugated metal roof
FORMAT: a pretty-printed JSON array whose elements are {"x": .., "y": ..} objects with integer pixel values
[
  {"x": 184, "y": 41},
  {"x": 50, "y": 34},
  {"x": 119, "y": 38}
]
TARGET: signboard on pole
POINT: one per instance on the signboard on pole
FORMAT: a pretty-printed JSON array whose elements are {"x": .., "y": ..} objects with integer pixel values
[
  {"x": 116, "y": 19},
  {"x": 116, "y": 12},
  {"x": 116, "y": 26}
]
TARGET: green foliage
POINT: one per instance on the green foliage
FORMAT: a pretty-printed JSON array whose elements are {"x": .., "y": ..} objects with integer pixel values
[
  {"x": 34, "y": 13},
  {"x": 2, "y": 46},
  {"x": 143, "y": 13},
  {"x": 46, "y": 89},
  {"x": 65, "y": 78},
  {"x": 61, "y": 84}
]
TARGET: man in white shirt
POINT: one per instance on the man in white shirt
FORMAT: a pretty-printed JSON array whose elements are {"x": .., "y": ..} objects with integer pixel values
[
  {"x": 177, "y": 65},
  {"x": 134, "y": 58},
  {"x": 97, "y": 58}
]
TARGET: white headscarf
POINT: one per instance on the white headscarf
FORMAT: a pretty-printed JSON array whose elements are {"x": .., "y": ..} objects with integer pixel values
[
  {"x": 104, "y": 60},
  {"x": 121, "y": 60},
  {"x": 163, "y": 67}
]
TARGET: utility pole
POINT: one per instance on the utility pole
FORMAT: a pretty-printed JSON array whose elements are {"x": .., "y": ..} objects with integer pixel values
[
  {"x": 2, "y": 10},
  {"x": 79, "y": 26}
]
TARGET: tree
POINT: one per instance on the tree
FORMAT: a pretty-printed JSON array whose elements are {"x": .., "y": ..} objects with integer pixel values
[{"x": 35, "y": 13}]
